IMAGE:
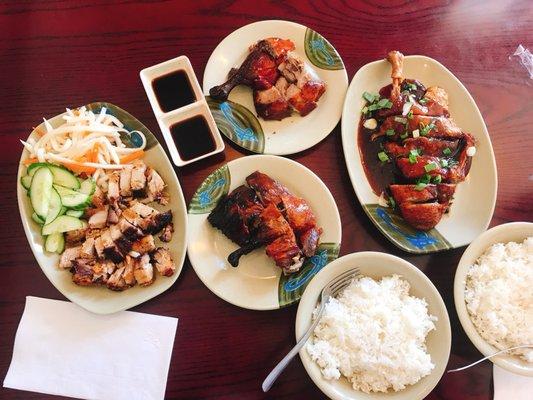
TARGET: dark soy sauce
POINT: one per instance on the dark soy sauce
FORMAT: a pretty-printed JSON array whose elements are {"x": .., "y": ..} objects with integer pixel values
[
  {"x": 173, "y": 90},
  {"x": 193, "y": 138}
]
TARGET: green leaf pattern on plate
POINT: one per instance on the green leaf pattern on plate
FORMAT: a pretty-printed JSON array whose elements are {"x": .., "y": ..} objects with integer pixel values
[
  {"x": 210, "y": 191},
  {"x": 320, "y": 52},
  {"x": 130, "y": 123},
  {"x": 291, "y": 287},
  {"x": 402, "y": 234},
  {"x": 238, "y": 124}
]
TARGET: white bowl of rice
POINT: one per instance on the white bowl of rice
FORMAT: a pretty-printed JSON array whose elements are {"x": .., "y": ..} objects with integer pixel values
[
  {"x": 493, "y": 293},
  {"x": 387, "y": 336}
]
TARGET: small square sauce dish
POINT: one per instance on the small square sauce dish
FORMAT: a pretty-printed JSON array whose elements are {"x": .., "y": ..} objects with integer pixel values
[{"x": 181, "y": 110}]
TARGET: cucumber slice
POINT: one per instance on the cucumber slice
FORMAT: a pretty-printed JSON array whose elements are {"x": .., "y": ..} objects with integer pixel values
[
  {"x": 32, "y": 168},
  {"x": 55, "y": 243},
  {"x": 63, "y": 210},
  {"x": 88, "y": 186},
  {"x": 54, "y": 210},
  {"x": 72, "y": 198},
  {"x": 26, "y": 181},
  {"x": 41, "y": 191},
  {"x": 64, "y": 177},
  {"x": 37, "y": 219},
  {"x": 75, "y": 213},
  {"x": 63, "y": 223}
]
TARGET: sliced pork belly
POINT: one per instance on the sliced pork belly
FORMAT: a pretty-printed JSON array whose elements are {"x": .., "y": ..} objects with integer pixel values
[
  {"x": 116, "y": 280},
  {"x": 82, "y": 272},
  {"x": 69, "y": 255},
  {"x": 155, "y": 186},
  {"x": 163, "y": 262},
  {"x": 138, "y": 178},
  {"x": 99, "y": 218},
  {"x": 125, "y": 181},
  {"x": 143, "y": 270},
  {"x": 144, "y": 245},
  {"x": 113, "y": 189},
  {"x": 75, "y": 237}
]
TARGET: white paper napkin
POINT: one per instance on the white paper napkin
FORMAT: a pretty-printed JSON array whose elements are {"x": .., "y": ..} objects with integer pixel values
[
  {"x": 65, "y": 350},
  {"x": 509, "y": 386}
]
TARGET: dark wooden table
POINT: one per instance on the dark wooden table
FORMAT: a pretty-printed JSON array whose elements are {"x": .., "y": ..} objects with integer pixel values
[{"x": 57, "y": 53}]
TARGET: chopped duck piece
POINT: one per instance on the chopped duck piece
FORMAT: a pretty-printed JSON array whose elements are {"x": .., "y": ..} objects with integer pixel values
[
  {"x": 285, "y": 253},
  {"x": 166, "y": 233},
  {"x": 125, "y": 181},
  {"x": 445, "y": 192},
  {"x": 434, "y": 127},
  {"x": 69, "y": 255},
  {"x": 113, "y": 189},
  {"x": 271, "y": 104},
  {"x": 75, "y": 237},
  {"x": 409, "y": 193},
  {"x": 424, "y": 145},
  {"x": 422, "y": 166},
  {"x": 163, "y": 262},
  {"x": 144, "y": 245},
  {"x": 82, "y": 272},
  {"x": 269, "y": 190},
  {"x": 309, "y": 241},
  {"x": 138, "y": 178},
  {"x": 116, "y": 281},
  {"x": 87, "y": 248},
  {"x": 98, "y": 219},
  {"x": 155, "y": 185},
  {"x": 143, "y": 270},
  {"x": 423, "y": 216}
]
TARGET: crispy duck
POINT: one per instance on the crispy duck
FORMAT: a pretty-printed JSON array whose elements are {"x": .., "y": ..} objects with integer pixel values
[
  {"x": 281, "y": 82},
  {"x": 266, "y": 213},
  {"x": 429, "y": 153}
]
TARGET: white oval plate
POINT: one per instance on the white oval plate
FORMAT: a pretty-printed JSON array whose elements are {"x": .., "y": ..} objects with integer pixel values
[
  {"x": 474, "y": 199},
  {"x": 101, "y": 300},
  {"x": 511, "y": 232},
  {"x": 236, "y": 118},
  {"x": 257, "y": 283},
  {"x": 377, "y": 265}
]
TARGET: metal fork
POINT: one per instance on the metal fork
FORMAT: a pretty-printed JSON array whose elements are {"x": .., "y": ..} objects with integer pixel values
[{"x": 332, "y": 289}]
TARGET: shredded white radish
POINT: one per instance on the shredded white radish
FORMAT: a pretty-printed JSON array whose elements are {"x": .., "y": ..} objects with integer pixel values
[{"x": 83, "y": 131}]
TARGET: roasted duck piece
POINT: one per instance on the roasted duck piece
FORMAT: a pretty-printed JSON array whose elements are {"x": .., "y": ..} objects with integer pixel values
[
  {"x": 425, "y": 152},
  {"x": 280, "y": 81},
  {"x": 265, "y": 213}
]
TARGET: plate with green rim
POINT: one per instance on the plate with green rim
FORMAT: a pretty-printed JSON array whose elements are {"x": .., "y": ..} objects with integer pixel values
[
  {"x": 236, "y": 117},
  {"x": 99, "y": 299},
  {"x": 474, "y": 199},
  {"x": 257, "y": 283}
]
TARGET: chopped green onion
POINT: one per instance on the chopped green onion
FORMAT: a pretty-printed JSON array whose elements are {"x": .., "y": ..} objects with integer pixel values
[
  {"x": 392, "y": 203},
  {"x": 412, "y": 158},
  {"x": 447, "y": 151},
  {"x": 369, "y": 97},
  {"x": 400, "y": 120},
  {"x": 430, "y": 166},
  {"x": 424, "y": 129},
  {"x": 384, "y": 103},
  {"x": 423, "y": 101},
  {"x": 425, "y": 179},
  {"x": 410, "y": 86},
  {"x": 444, "y": 163},
  {"x": 410, "y": 115},
  {"x": 404, "y": 135},
  {"x": 437, "y": 179},
  {"x": 383, "y": 156},
  {"x": 414, "y": 152},
  {"x": 364, "y": 110},
  {"x": 390, "y": 132},
  {"x": 420, "y": 186}
]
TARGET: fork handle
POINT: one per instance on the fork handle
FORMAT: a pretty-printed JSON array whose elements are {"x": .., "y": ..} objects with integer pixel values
[{"x": 280, "y": 367}]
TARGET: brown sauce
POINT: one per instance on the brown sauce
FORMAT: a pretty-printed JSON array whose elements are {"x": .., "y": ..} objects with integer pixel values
[
  {"x": 173, "y": 90},
  {"x": 380, "y": 175},
  {"x": 193, "y": 138}
]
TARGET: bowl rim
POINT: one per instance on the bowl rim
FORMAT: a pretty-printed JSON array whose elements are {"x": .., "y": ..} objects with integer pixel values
[
  {"x": 497, "y": 234},
  {"x": 301, "y": 321}
]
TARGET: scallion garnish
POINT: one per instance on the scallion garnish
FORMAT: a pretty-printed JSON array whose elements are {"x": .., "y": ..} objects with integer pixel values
[
  {"x": 370, "y": 97},
  {"x": 430, "y": 166},
  {"x": 383, "y": 156},
  {"x": 390, "y": 132},
  {"x": 420, "y": 186},
  {"x": 423, "y": 101},
  {"x": 444, "y": 163},
  {"x": 424, "y": 129},
  {"x": 425, "y": 179},
  {"x": 404, "y": 135},
  {"x": 410, "y": 86},
  {"x": 447, "y": 151},
  {"x": 384, "y": 103},
  {"x": 412, "y": 158},
  {"x": 437, "y": 179},
  {"x": 410, "y": 115}
]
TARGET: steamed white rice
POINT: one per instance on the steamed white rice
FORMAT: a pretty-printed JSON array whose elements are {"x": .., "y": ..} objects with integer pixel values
[
  {"x": 499, "y": 296},
  {"x": 374, "y": 334}
]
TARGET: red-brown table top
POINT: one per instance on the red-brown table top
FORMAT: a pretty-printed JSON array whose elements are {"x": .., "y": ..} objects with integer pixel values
[{"x": 57, "y": 53}]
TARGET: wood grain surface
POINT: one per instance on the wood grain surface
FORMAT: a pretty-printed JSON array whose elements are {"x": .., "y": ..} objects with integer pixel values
[{"x": 55, "y": 54}]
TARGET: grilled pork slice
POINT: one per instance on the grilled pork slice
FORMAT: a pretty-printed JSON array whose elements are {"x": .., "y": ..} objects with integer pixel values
[
  {"x": 163, "y": 262},
  {"x": 111, "y": 249},
  {"x": 130, "y": 231},
  {"x": 102, "y": 270},
  {"x": 148, "y": 219},
  {"x": 69, "y": 255},
  {"x": 166, "y": 233},
  {"x": 98, "y": 220},
  {"x": 113, "y": 189},
  {"x": 129, "y": 274},
  {"x": 155, "y": 186},
  {"x": 75, "y": 237},
  {"x": 87, "y": 248},
  {"x": 125, "y": 181},
  {"x": 138, "y": 178},
  {"x": 112, "y": 214},
  {"x": 99, "y": 198},
  {"x": 143, "y": 270},
  {"x": 82, "y": 272},
  {"x": 120, "y": 240},
  {"x": 144, "y": 245},
  {"x": 116, "y": 280}
]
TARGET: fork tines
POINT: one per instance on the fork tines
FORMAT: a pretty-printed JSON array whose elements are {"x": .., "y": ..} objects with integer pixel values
[{"x": 343, "y": 280}]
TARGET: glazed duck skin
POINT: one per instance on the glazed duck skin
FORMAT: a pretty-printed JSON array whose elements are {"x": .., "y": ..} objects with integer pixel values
[{"x": 422, "y": 151}]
